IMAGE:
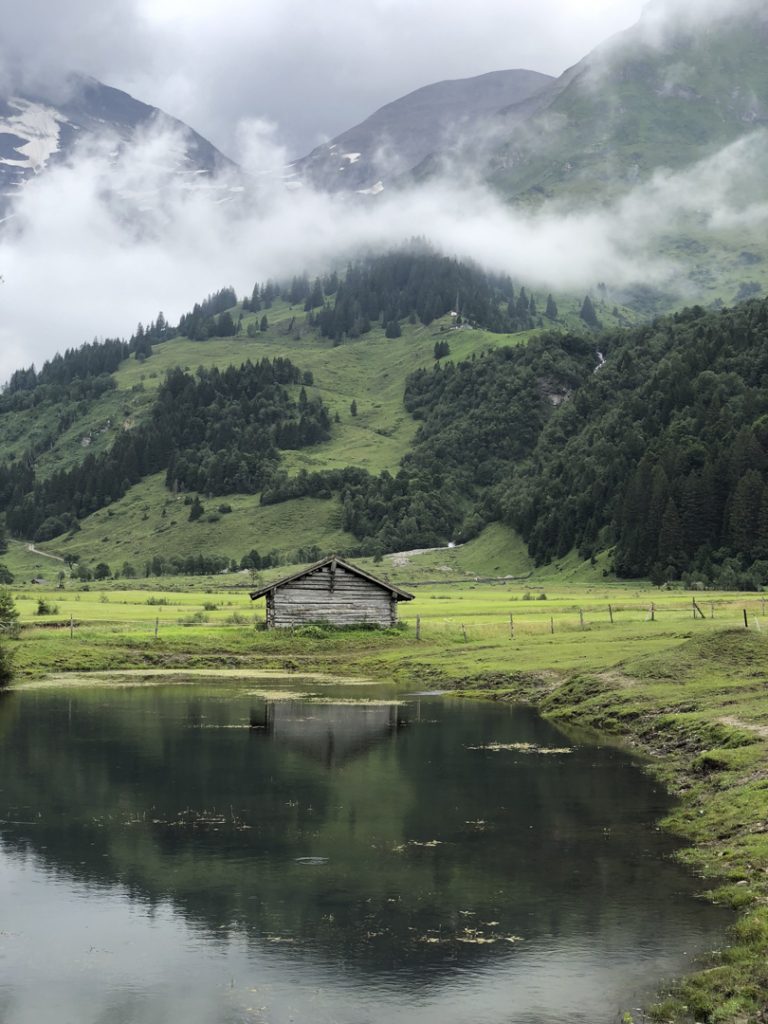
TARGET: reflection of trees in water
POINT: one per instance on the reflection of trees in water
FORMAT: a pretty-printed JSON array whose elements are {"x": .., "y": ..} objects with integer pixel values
[{"x": 175, "y": 797}]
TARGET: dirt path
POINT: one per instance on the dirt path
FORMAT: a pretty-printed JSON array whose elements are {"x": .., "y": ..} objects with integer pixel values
[
  {"x": 400, "y": 558},
  {"x": 736, "y": 723},
  {"x": 44, "y": 554}
]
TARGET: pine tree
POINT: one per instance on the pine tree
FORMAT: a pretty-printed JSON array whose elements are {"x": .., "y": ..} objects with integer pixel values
[
  {"x": 196, "y": 509},
  {"x": 588, "y": 314},
  {"x": 353, "y": 408},
  {"x": 264, "y": 325},
  {"x": 744, "y": 514},
  {"x": 760, "y": 547},
  {"x": 671, "y": 536},
  {"x": 9, "y": 615},
  {"x": 551, "y": 310}
]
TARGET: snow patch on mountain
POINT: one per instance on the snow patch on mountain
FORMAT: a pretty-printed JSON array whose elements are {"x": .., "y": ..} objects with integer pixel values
[{"x": 39, "y": 129}]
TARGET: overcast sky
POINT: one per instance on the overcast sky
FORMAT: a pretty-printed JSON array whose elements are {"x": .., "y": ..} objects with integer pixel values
[{"x": 314, "y": 69}]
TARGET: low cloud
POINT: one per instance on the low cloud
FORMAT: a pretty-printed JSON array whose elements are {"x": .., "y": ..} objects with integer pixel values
[
  {"x": 101, "y": 242},
  {"x": 665, "y": 14}
]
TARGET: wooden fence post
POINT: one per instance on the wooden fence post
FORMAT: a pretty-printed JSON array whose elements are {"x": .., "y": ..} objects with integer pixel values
[
  {"x": 746, "y": 620},
  {"x": 610, "y": 613},
  {"x": 552, "y": 625},
  {"x": 464, "y": 631},
  {"x": 157, "y": 626},
  {"x": 653, "y": 612},
  {"x": 71, "y": 627},
  {"x": 581, "y": 617},
  {"x": 418, "y": 627},
  {"x": 511, "y": 628}
]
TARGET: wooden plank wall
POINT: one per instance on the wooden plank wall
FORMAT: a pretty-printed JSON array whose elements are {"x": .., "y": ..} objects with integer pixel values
[{"x": 350, "y": 601}]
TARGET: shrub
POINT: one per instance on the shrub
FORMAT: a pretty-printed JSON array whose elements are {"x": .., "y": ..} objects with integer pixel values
[
  {"x": 6, "y": 665},
  {"x": 193, "y": 620},
  {"x": 9, "y": 615}
]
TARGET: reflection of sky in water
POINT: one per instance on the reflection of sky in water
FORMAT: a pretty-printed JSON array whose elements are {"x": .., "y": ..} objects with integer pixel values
[
  {"x": 181, "y": 923},
  {"x": 97, "y": 955}
]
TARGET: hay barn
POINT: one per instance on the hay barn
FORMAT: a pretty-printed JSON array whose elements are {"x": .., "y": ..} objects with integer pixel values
[{"x": 334, "y": 592}]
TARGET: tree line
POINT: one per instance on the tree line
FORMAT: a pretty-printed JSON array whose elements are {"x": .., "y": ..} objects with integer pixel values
[
  {"x": 419, "y": 284},
  {"x": 662, "y": 454}
]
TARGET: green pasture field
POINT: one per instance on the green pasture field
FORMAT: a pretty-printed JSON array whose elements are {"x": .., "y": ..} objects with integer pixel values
[{"x": 458, "y": 631}]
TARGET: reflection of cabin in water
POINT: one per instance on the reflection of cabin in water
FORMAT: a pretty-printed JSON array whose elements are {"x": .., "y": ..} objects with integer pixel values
[
  {"x": 328, "y": 733},
  {"x": 334, "y": 592}
]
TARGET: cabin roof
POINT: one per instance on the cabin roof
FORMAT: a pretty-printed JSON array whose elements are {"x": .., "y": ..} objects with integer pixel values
[{"x": 400, "y": 595}]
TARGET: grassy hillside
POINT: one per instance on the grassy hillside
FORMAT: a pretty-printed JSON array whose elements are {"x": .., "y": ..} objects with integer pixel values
[
  {"x": 149, "y": 520},
  {"x": 361, "y": 381},
  {"x": 370, "y": 370}
]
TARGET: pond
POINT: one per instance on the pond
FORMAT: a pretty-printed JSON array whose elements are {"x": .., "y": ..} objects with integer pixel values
[{"x": 221, "y": 851}]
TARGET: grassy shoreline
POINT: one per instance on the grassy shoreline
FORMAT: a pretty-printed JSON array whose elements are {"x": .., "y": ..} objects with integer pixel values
[
  {"x": 691, "y": 695},
  {"x": 700, "y": 715}
]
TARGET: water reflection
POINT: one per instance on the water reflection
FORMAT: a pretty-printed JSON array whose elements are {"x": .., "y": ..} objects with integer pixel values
[
  {"x": 205, "y": 853},
  {"x": 329, "y": 734}
]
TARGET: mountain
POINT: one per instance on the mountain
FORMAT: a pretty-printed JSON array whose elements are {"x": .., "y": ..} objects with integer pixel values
[
  {"x": 659, "y": 135},
  {"x": 37, "y": 131},
  {"x": 666, "y": 93},
  {"x": 663, "y": 94},
  {"x": 400, "y": 135}
]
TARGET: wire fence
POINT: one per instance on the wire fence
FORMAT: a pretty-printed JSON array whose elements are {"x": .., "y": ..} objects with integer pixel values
[
  {"x": 465, "y": 624},
  {"x": 721, "y": 614}
]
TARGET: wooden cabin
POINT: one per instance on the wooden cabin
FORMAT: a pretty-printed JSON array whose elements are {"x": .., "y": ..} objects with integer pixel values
[{"x": 334, "y": 592}]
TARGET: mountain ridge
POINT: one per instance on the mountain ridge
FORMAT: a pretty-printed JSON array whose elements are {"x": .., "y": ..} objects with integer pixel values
[
  {"x": 39, "y": 129},
  {"x": 398, "y": 136}
]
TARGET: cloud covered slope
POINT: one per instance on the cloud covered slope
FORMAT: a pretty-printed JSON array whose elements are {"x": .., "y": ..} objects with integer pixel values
[
  {"x": 396, "y": 138},
  {"x": 43, "y": 126}
]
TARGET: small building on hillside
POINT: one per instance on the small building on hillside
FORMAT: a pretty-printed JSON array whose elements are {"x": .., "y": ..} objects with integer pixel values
[{"x": 334, "y": 592}]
